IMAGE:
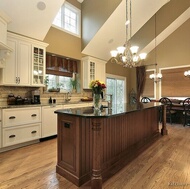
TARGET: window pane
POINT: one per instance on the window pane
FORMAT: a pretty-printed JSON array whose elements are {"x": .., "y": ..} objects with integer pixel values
[
  {"x": 59, "y": 82},
  {"x": 116, "y": 87},
  {"x": 68, "y": 18}
]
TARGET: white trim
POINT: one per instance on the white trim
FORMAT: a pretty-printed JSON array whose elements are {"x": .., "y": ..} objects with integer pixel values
[
  {"x": 66, "y": 31},
  {"x": 154, "y": 82},
  {"x": 78, "y": 13}
]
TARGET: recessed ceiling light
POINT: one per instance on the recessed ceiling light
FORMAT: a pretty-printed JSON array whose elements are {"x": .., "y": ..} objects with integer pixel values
[
  {"x": 80, "y": 1},
  {"x": 41, "y": 5}
]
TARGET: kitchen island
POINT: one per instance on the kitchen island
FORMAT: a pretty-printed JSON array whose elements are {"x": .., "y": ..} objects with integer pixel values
[{"x": 95, "y": 145}]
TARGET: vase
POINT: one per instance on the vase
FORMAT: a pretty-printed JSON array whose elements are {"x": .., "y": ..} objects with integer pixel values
[{"x": 97, "y": 100}]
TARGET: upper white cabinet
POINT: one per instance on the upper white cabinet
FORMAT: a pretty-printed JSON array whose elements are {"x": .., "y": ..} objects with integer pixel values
[
  {"x": 38, "y": 65},
  {"x": 25, "y": 66},
  {"x": 17, "y": 68},
  {"x": 93, "y": 69},
  {"x": 4, "y": 48}
]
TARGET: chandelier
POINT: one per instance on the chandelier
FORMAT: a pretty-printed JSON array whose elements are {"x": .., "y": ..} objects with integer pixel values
[
  {"x": 156, "y": 76},
  {"x": 187, "y": 73},
  {"x": 127, "y": 55}
]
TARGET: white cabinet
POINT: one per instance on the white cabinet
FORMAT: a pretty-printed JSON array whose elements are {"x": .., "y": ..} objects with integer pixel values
[
  {"x": 19, "y": 66},
  {"x": 4, "y": 49},
  {"x": 20, "y": 125},
  {"x": 93, "y": 69},
  {"x": 38, "y": 65},
  {"x": 16, "y": 135},
  {"x": 49, "y": 120}
]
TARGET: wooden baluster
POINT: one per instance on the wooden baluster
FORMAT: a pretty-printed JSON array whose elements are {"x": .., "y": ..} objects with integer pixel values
[
  {"x": 96, "y": 179},
  {"x": 164, "y": 131}
]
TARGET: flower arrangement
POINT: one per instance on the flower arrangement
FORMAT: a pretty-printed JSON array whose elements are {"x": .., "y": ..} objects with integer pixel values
[{"x": 97, "y": 86}]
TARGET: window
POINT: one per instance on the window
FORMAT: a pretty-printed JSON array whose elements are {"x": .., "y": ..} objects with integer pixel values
[
  {"x": 116, "y": 86},
  {"x": 68, "y": 18},
  {"x": 174, "y": 83},
  {"x": 54, "y": 82}
]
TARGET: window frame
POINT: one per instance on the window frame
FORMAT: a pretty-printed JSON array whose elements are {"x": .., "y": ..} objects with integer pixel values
[{"x": 78, "y": 19}]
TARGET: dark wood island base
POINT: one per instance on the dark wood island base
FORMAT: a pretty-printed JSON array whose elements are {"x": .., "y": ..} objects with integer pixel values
[{"x": 94, "y": 147}]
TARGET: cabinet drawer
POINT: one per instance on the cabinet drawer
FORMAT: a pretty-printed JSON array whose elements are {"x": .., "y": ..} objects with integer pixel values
[
  {"x": 21, "y": 116},
  {"x": 16, "y": 135}
]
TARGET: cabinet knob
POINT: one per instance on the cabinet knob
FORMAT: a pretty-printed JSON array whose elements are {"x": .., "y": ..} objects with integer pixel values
[
  {"x": 12, "y": 136},
  {"x": 12, "y": 117},
  {"x": 33, "y": 115},
  {"x": 34, "y": 132}
]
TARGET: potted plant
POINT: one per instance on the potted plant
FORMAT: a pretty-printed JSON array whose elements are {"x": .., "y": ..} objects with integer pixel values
[{"x": 46, "y": 82}]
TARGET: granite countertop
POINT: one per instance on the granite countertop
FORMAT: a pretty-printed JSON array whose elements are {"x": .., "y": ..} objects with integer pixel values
[
  {"x": 117, "y": 109},
  {"x": 43, "y": 104}
]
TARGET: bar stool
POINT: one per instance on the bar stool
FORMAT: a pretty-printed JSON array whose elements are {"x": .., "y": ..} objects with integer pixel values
[
  {"x": 169, "y": 112},
  {"x": 186, "y": 112},
  {"x": 145, "y": 99}
]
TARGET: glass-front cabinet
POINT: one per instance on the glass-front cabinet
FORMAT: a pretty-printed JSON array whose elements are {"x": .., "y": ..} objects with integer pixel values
[
  {"x": 93, "y": 69},
  {"x": 38, "y": 66}
]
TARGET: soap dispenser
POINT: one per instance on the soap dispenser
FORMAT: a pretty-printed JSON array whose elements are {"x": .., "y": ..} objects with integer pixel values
[{"x": 50, "y": 100}]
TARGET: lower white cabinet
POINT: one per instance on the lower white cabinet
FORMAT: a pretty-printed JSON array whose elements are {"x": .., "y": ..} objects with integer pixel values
[
  {"x": 20, "y": 125},
  {"x": 49, "y": 120},
  {"x": 20, "y": 134}
]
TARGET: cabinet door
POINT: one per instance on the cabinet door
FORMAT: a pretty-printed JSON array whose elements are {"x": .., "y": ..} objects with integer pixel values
[
  {"x": 93, "y": 69},
  {"x": 49, "y": 120},
  {"x": 9, "y": 73},
  {"x": 100, "y": 71},
  {"x": 23, "y": 63},
  {"x": 38, "y": 65}
]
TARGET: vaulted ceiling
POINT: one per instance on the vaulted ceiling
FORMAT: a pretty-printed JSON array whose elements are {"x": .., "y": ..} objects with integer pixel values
[
  {"x": 33, "y": 18},
  {"x": 113, "y": 33}
]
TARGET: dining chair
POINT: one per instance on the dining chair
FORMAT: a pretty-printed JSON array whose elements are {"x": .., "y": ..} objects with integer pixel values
[
  {"x": 145, "y": 99},
  {"x": 186, "y": 112},
  {"x": 169, "y": 112}
]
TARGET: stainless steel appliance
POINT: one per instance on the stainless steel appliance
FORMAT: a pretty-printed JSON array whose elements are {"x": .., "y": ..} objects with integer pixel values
[{"x": 36, "y": 97}]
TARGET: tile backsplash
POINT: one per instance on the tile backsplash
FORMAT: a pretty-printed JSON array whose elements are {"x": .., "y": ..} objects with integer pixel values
[{"x": 26, "y": 92}]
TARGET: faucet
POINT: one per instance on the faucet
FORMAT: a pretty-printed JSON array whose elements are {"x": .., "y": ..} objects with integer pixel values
[
  {"x": 67, "y": 99},
  {"x": 110, "y": 101}
]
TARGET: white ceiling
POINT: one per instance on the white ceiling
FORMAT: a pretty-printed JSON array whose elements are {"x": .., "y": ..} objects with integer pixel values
[{"x": 27, "y": 19}]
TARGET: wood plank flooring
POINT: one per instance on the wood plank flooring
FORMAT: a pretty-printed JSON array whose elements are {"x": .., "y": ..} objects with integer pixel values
[{"x": 164, "y": 165}]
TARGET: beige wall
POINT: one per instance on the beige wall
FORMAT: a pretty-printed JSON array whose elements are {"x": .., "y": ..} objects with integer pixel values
[
  {"x": 63, "y": 43},
  {"x": 172, "y": 52}
]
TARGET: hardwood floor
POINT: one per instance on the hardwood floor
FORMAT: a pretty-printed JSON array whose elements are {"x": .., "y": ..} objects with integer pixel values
[{"x": 165, "y": 164}]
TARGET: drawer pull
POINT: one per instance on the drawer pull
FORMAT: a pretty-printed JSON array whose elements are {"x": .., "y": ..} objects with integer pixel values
[
  {"x": 12, "y": 117},
  {"x": 12, "y": 136},
  {"x": 67, "y": 125},
  {"x": 34, "y": 132},
  {"x": 33, "y": 115}
]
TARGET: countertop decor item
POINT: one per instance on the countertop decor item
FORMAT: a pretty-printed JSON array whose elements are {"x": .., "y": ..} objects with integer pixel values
[{"x": 97, "y": 88}]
